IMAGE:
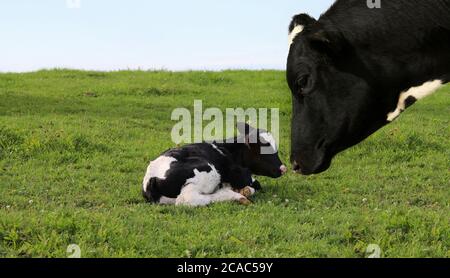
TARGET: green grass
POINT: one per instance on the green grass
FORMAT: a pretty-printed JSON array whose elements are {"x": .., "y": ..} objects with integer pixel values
[{"x": 74, "y": 147}]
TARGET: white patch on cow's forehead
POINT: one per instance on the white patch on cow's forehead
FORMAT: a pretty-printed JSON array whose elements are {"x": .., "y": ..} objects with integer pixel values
[
  {"x": 268, "y": 137},
  {"x": 292, "y": 35},
  {"x": 418, "y": 93},
  {"x": 217, "y": 149},
  {"x": 158, "y": 169}
]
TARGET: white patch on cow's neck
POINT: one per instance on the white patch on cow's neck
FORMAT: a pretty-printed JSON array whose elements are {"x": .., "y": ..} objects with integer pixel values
[
  {"x": 418, "y": 93},
  {"x": 267, "y": 137},
  {"x": 292, "y": 35},
  {"x": 217, "y": 149},
  {"x": 158, "y": 169}
]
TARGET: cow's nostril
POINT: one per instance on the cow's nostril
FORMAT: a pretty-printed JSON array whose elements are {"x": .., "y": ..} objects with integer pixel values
[
  {"x": 321, "y": 144},
  {"x": 283, "y": 169}
]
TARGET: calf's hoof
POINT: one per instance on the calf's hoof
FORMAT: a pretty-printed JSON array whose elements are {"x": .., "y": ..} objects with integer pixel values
[
  {"x": 244, "y": 201},
  {"x": 246, "y": 191}
]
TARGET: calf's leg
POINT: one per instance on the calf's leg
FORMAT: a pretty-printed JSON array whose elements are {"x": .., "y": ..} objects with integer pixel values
[
  {"x": 190, "y": 196},
  {"x": 256, "y": 185},
  {"x": 167, "y": 201},
  {"x": 247, "y": 191},
  {"x": 227, "y": 194},
  {"x": 198, "y": 188}
]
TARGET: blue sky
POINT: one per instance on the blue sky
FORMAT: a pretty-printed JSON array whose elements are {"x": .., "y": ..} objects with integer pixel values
[{"x": 148, "y": 34}]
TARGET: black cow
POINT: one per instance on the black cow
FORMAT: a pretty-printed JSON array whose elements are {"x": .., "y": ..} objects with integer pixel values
[
  {"x": 200, "y": 174},
  {"x": 357, "y": 68}
]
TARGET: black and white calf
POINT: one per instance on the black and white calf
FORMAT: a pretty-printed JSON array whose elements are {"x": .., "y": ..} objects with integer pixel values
[
  {"x": 200, "y": 174},
  {"x": 356, "y": 69}
]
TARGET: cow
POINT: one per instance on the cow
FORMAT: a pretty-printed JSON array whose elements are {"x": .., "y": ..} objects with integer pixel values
[
  {"x": 357, "y": 68},
  {"x": 209, "y": 172}
]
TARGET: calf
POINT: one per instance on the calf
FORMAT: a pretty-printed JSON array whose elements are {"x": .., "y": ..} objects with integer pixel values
[{"x": 200, "y": 174}]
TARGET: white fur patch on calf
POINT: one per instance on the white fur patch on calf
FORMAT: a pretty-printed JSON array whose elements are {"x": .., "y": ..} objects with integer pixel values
[
  {"x": 205, "y": 182},
  {"x": 217, "y": 149},
  {"x": 157, "y": 169},
  {"x": 190, "y": 196},
  {"x": 417, "y": 93},
  {"x": 292, "y": 35}
]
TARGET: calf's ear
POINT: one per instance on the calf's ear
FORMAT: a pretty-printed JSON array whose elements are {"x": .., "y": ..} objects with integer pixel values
[
  {"x": 245, "y": 129},
  {"x": 249, "y": 133}
]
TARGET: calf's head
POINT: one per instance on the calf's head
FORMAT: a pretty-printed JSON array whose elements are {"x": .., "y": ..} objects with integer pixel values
[
  {"x": 334, "y": 107},
  {"x": 260, "y": 154}
]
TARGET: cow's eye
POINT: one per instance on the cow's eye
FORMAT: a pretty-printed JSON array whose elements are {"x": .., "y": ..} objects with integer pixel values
[{"x": 302, "y": 83}]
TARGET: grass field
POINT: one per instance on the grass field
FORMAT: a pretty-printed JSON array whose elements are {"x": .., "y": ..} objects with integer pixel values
[{"x": 74, "y": 147}]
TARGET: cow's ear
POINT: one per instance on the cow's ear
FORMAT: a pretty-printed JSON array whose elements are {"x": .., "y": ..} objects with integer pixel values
[
  {"x": 301, "y": 20},
  {"x": 298, "y": 24},
  {"x": 319, "y": 36},
  {"x": 326, "y": 41}
]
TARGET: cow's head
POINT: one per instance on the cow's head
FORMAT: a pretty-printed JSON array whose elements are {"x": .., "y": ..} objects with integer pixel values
[
  {"x": 260, "y": 154},
  {"x": 334, "y": 107}
]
